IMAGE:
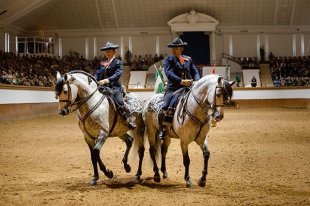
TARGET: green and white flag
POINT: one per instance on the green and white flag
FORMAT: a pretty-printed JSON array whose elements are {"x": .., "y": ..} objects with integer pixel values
[{"x": 159, "y": 84}]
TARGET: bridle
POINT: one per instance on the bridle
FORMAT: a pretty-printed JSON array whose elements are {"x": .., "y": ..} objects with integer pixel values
[
  {"x": 204, "y": 105},
  {"x": 76, "y": 102}
]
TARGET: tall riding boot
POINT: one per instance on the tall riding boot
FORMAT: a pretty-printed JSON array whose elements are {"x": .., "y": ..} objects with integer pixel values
[
  {"x": 162, "y": 128},
  {"x": 127, "y": 117}
]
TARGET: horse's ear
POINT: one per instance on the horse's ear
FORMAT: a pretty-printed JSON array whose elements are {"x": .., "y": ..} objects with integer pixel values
[
  {"x": 231, "y": 83},
  {"x": 58, "y": 75},
  {"x": 219, "y": 80},
  {"x": 66, "y": 77}
]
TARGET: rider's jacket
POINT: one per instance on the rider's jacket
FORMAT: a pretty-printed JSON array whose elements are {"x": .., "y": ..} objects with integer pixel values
[
  {"x": 176, "y": 71},
  {"x": 110, "y": 70}
]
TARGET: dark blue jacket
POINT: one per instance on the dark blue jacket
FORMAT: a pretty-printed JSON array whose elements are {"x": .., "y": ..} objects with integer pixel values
[
  {"x": 113, "y": 72},
  {"x": 175, "y": 71}
]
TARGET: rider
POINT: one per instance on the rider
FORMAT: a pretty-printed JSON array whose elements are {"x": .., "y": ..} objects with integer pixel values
[
  {"x": 181, "y": 72},
  {"x": 108, "y": 75}
]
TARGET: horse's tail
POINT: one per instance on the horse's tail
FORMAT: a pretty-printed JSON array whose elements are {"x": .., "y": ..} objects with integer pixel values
[{"x": 138, "y": 139}]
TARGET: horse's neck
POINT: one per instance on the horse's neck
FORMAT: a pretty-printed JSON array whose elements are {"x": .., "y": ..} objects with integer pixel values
[{"x": 85, "y": 92}]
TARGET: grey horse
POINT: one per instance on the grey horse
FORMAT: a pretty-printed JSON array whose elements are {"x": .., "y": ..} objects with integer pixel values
[
  {"x": 191, "y": 122},
  {"x": 98, "y": 118}
]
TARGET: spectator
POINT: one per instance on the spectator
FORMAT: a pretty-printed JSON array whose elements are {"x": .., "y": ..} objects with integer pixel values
[
  {"x": 238, "y": 80},
  {"x": 253, "y": 82}
]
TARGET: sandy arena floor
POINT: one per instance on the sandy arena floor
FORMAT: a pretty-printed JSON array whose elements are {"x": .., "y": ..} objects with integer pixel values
[{"x": 258, "y": 157}]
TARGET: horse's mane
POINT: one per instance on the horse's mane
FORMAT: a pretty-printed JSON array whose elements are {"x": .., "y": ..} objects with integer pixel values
[
  {"x": 213, "y": 77},
  {"x": 85, "y": 73}
]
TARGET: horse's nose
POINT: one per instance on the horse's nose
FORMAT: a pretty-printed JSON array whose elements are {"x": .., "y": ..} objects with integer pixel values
[
  {"x": 63, "y": 112},
  {"x": 218, "y": 116}
]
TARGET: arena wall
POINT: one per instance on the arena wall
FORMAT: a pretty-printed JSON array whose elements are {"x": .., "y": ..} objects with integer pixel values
[{"x": 20, "y": 102}]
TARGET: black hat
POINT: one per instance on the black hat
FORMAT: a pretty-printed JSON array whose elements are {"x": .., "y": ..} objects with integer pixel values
[
  {"x": 109, "y": 45},
  {"x": 177, "y": 42}
]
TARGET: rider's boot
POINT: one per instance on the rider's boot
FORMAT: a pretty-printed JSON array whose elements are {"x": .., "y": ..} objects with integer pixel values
[
  {"x": 162, "y": 128},
  {"x": 128, "y": 117}
]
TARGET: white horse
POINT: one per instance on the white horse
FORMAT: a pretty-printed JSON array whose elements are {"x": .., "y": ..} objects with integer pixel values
[
  {"x": 98, "y": 118},
  {"x": 191, "y": 122}
]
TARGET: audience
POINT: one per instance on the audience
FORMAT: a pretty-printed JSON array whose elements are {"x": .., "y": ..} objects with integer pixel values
[{"x": 290, "y": 71}]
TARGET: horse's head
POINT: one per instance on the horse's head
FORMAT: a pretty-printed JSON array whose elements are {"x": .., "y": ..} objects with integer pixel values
[
  {"x": 66, "y": 91},
  {"x": 221, "y": 97},
  {"x": 218, "y": 94}
]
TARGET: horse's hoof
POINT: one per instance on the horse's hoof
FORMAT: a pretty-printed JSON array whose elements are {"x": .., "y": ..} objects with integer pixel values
[
  {"x": 202, "y": 183},
  {"x": 127, "y": 168},
  {"x": 138, "y": 177},
  {"x": 165, "y": 175},
  {"x": 157, "y": 178},
  {"x": 188, "y": 183},
  {"x": 109, "y": 174},
  {"x": 93, "y": 181}
]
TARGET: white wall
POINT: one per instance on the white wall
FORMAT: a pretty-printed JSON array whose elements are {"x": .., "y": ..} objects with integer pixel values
[
  {"x": 14, "y": 96},
  {"x": 75, "y": 44},
  {"x": 281, "y": 44},
  {"x": 2, "y": 40},
  {"x": 244, "y": 45},
  {"x": 307, "y": 44},
  {"x": 142, "y": 45},
  {"x": 248, "y": 75}
]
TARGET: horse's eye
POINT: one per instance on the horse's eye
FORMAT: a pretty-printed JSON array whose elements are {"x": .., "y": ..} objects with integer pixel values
[{"x": 65, "y": 92}]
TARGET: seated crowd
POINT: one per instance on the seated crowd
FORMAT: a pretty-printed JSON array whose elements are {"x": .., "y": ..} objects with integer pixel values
[
  {"x": 143, "y": 63},
  {"x": 30, "y": 70},
  {"x": 290, "y": 71},
  {"x": 39, "y": 70}
]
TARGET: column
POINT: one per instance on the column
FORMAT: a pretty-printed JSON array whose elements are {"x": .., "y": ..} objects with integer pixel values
[
  {"x": 95, "y": 46},
  {"x": 157, "y": 45},
  {"x": 213, "y": 48},
  {"x": 258, "y": 45},
  {"x": 130, "y": 44},
  {"x": 122, "y": 48},
  {"x": 16, "y": 44},
  {"x": 302, "y": 45},
  {"x": 230, "y": 45},
  {"x": 294, "y": 44},
  {"x": 60, "y": 48},
  {"x": 86, "y": 48},
  {"x": 267, "y": 47}
]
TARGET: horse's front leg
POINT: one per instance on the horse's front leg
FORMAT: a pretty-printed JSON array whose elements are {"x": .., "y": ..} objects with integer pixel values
[
  {"x": 186, "y": 162},
  {"x": 164, "y": 150},
  {"x": 128, "y": 140},
  {"x": 100, "y": 141},
  {"x": 93, "y": 181},
  {"x": 206, "y": 156}
]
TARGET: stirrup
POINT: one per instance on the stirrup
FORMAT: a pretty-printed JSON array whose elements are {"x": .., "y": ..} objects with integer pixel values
[{"x": 162, "y": 134}]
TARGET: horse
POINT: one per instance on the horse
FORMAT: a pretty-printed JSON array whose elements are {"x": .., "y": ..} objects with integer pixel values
[
  {"x": 98, "y": 118},
  {"x": 191, "y": 122}
]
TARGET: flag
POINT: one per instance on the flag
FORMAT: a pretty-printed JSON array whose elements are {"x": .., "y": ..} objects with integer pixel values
[
  {"x": 159, "y": 84},
  {"x": 213, "y": 70}
]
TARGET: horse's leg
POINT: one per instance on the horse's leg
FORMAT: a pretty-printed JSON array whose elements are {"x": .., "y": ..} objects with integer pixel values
[
  {"x": 93, "y": 181},
  {"x": 100, "y": 141},
  {"x": 128, "y": 140},
  {"x": 152, "y": 136},
  {"x": 206, "y": 155},
  {"x": 141, "y": 155},
  {"x": 164, "y": 149},
  {"x": 186, "y": 162}
]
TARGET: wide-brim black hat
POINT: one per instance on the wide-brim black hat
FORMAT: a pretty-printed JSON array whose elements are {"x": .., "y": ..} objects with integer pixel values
[
  {"x": 109, "y": 46},
  {"x": 177, "y": 42}
]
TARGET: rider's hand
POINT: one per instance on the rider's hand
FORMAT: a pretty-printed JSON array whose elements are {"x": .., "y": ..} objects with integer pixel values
[
  {"x": 104, "y": 81},
  {"x": 187, "y": 82}
]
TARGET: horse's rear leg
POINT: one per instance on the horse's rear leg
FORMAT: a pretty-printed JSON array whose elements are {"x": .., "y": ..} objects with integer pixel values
[
  {"x": 206, "y": 156},
  {"x": 186, "y": 162},
  {"x": 128, "y": 140},
  {"x": 141, "y": 155},
  {"x": 155, "y": 167},
  {"x": 164, "y": 149}
]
